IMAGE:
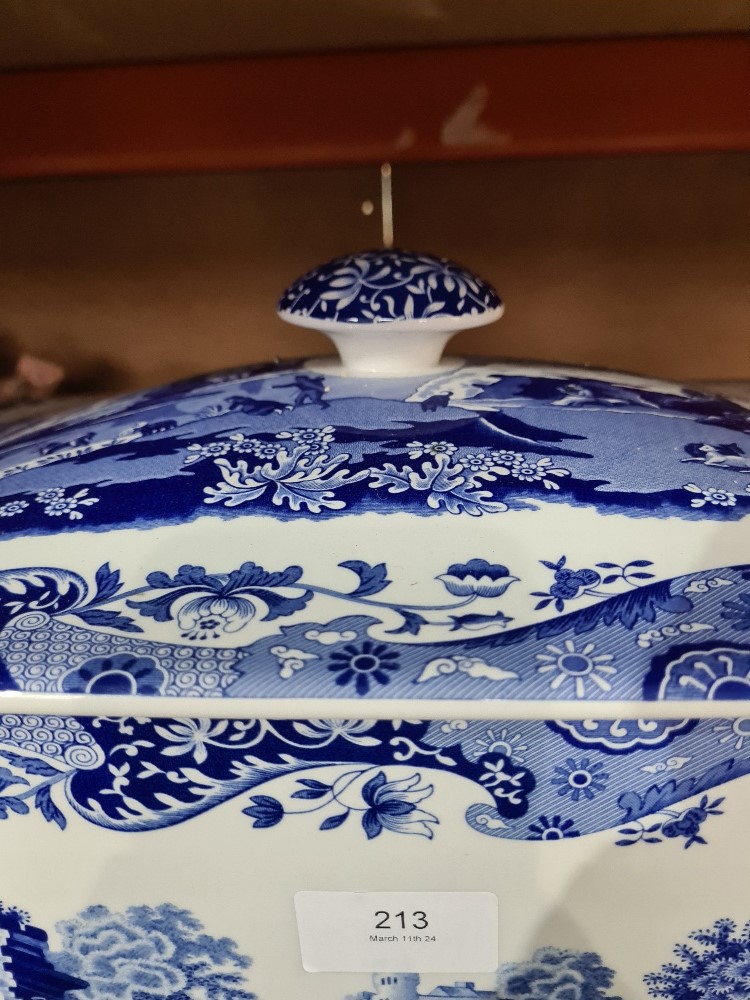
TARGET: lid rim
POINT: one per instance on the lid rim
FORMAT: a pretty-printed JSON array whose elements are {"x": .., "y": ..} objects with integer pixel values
[{"x": 23, "y": 702}]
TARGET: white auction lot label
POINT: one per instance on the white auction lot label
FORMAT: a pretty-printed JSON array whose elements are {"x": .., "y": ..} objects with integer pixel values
[{"x": 398, "y": 931}]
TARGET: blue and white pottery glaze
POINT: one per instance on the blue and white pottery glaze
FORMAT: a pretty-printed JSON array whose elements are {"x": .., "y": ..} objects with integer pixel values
[{"x": 393, "y": 622}]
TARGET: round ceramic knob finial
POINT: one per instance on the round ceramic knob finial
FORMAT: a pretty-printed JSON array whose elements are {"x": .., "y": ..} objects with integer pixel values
[{"x": 390, "y": 312}]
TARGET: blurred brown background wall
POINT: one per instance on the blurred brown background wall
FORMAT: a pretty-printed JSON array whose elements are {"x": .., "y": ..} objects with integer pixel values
[{"x": 638, "y": 263}]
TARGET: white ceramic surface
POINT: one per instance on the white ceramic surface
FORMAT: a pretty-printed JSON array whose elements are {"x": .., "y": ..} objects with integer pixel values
[{"x": 444, "y": 625}]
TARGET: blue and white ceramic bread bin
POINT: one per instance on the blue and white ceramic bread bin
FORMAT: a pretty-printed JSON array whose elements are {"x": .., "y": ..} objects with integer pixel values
[{"x": 381, "y": 678}]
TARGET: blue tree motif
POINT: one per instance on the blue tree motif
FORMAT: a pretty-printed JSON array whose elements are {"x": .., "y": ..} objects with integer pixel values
[
  {"x": 718, "y": 969},
  {"x": 554, "y": 972},
  {"x": 150, "y": 952}
]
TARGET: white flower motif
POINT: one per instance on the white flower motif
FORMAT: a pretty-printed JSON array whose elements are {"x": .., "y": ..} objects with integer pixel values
[
  {"x": 62, "y": 505},
  {"x": 290, "y": 660},
  {"x": 315, "y": 439},
  {"x": 483, "y": 465},
  {"x": 53, "y": 493},
  {"x": 478, "y": 461},
  {"x": 576, "y": 666},
  {"x": 213, "y": 449},
  {"x": 13, "y": 507},
  {"x": 502, "y": 456},
  {"x": 254, "y": 446},
  {"x": 530, "y": 470},
  {"x": 431, "y": 448},
  {"x": 712, "y": 495},
  {"x": 191, "y": 736}
]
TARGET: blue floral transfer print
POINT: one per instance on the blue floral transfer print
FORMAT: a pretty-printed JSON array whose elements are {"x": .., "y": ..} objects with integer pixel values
[
  {"x": 554, "y": 828},
  {"x": 707, "y": 672},
  {"x": 378, "y": 777},
  {"x": 209, "y": 606},
  {"x": 714, "y": 965},
  {"x": 377, "y": 286},
  {"x": 379, "y": 803},
  {"x": 365, "y": 665},
  {"x": 580, "y": 779},
  {"x": 630, "y": 637},
  {"x": 118, "y": 674},
  {"x": 288, "y": 442},
  {"x": 670, "y": 824}
]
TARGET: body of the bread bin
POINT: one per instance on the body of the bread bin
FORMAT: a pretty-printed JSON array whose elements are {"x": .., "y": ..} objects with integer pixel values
[{"x": 279, "y": 645}]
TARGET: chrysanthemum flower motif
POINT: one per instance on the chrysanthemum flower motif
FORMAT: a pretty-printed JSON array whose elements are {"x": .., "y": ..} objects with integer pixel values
[
  {"x": 577, "y": 667},
  {"x": 712, "y": 495},
  {"x": 315, "y": 439},
  {"x": 552, "y": 829},
  {"x": 584, "y": 779},
  {"x": 13, "y": 507},
  {"x": 530, "y": 470},
  {"x": 213, "y": 449},
  {"x": 67, "y": 506},
  {"x": 502, "y": 456},
  {"x": 254, "y": 446},
  {"x": 431, "y": 448},
  {"x": 209, "y": 617},
  {"x": 246, "y": 445},
  {"x": 53, "y": 493},
  {"x": 371, "y": 662},
  {"x": 479, "y": 461},
  {"x": 477, "y": 577}
]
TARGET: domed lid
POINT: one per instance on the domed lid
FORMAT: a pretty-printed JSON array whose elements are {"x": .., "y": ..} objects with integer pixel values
[{"x": 393, "y": 527}]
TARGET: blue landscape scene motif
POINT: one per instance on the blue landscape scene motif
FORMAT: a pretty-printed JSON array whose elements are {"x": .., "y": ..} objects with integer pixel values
[
  {"x": 165, "y": 953},
  {"x": 285, "y": 441}
]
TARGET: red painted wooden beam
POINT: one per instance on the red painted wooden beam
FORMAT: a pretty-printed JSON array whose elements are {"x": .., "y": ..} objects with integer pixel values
[{"x": 439, "y": 104}]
